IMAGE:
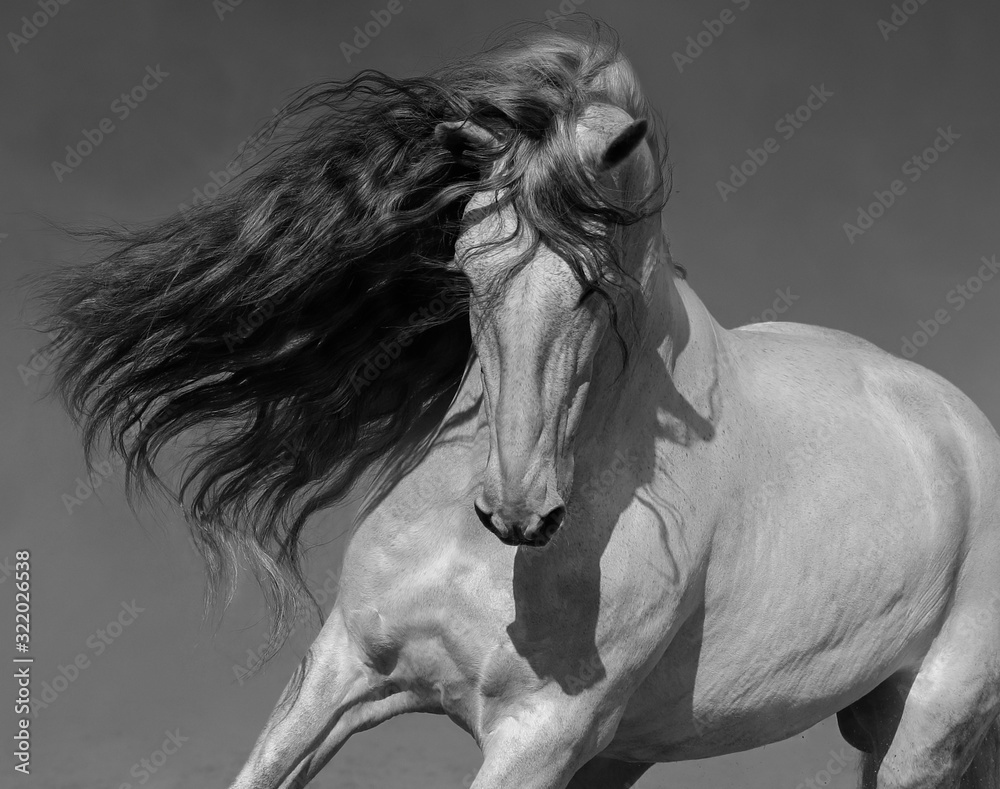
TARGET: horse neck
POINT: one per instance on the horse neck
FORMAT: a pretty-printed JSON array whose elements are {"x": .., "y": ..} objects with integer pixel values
[{"x": 678, "y": 346}]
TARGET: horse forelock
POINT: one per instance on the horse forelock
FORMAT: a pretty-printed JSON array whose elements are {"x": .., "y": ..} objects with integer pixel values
[{"x": 556, "y": 79}]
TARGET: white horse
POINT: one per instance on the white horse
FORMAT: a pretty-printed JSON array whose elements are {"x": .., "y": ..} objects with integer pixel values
[{"x": 707, "y": 547}]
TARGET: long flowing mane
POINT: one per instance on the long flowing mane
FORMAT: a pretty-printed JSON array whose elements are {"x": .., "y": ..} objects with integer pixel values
[{"x": 309, "y": 320}]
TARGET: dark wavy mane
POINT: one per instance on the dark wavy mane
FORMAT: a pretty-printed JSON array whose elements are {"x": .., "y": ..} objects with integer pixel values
[{"x": 309, "y": 319}]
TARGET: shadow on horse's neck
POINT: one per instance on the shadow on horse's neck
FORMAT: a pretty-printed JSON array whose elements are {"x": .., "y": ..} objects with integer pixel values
[
  {"x": 675, "y": 357},
  {"x": 668, "y": 396}
]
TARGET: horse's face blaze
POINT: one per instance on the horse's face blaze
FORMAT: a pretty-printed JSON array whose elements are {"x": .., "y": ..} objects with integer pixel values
[
  {"x": 536, "y": 338},
  {"x": 536, "y": 344}
]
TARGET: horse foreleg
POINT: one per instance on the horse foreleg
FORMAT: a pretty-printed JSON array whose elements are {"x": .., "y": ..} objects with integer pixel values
[
  {"x": 604, "y": 773},
  {"x": 329, "y": 697},
  {"x": 543, "y": 749}
]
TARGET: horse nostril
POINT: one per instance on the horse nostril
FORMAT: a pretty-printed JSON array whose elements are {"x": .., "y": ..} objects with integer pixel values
[
  {"x": 506, "y": 534},
  {"x": 548, "y": 525},
  {"x": 485, "y": 517}
]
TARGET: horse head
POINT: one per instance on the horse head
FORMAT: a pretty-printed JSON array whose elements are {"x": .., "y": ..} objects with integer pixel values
[{"x": 536, "y": 320}]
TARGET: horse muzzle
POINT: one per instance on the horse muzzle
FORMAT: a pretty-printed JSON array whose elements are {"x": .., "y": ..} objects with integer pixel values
[{"x": 521, "y": 528}]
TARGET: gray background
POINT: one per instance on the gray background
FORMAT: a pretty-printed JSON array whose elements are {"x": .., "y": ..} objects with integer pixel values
[{"x": 782, "y": 230}]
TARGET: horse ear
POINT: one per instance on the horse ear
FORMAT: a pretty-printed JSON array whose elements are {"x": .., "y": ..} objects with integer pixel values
[
  {"x": 624, "y": 143},
  {"x": 460, "y": 136}
]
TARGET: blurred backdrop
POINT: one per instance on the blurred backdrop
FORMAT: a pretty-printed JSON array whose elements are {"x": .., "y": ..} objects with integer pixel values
[{"x": 834, "y": 163}]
